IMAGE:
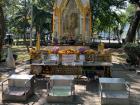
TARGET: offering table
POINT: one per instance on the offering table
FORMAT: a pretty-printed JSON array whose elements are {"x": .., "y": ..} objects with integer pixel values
[{"x": 98, "y": 68}]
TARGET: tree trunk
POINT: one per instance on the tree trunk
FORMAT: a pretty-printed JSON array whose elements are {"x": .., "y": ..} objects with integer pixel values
[
  {"x": 2, "y": 29},
  {"x": 24, "y": 39},
  {"x": 109, "y": 34},
  {"x": 131, "y": 34},
  {"x": 37, "y": 30},
  {"x": 138, "y": 33},
  {"x": 25, "y": 27},
  {"x": 118, "y": 37}
]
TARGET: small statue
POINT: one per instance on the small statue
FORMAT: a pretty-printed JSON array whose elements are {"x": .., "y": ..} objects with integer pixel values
[{"x": 101, "y": 48}]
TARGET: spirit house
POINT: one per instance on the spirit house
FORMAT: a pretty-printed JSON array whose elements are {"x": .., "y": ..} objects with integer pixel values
[{"x": 72, "y": 20}]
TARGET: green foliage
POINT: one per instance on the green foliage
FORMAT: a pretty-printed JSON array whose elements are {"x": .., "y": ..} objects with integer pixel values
[
  {"x": 17, "y": 11},
  {"x": 3, "y": 2},
  {"x": 42, "y": 19},
  {"x": 134, "y": 1},
  {"x": 46, "y": 5},
  {"x": 104, "y": 16},
  {"x": 130, "y": 12},
  {"x": 133, "y": 52}
]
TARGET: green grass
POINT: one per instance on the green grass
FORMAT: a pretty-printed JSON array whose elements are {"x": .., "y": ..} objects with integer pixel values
[
  {"x": 21, "y": 52},
  {"x": 22, "y": 40}
]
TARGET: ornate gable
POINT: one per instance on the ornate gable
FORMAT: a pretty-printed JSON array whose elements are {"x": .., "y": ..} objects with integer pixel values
[{"x": 81, "y": 4}]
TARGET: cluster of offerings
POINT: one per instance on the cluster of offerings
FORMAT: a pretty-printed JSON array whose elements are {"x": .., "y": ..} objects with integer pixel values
[
  {"x": 55, "y": 55},
  {"x": 50, "y": 56},
  {"x": 35, "y": 55}
]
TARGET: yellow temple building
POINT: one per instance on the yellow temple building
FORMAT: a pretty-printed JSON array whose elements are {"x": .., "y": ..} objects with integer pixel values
[{"x": 72, "y": 19}]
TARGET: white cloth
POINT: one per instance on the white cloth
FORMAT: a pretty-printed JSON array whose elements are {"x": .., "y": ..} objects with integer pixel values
[{"x": 10, "y": 59}]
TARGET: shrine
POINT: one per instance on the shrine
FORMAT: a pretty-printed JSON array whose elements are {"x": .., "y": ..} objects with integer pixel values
[
  {"x": 72, "y": 21},
  {"x": 69, "y": 52}
]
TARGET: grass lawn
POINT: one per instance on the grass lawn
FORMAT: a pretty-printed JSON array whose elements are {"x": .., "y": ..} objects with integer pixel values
[{"x": 22, "y": 53}]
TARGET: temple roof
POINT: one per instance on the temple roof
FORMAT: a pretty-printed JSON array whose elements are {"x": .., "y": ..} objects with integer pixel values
[
  {"x": 85, "y": 2},
  {"x": 58, "y": 3}
]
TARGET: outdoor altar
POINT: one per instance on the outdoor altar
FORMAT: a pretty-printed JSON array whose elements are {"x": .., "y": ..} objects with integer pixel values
[
  {"x": 72, "y": 27},
  {"x": 69, "y": 56},
  {"x": 82, "y": 61}
]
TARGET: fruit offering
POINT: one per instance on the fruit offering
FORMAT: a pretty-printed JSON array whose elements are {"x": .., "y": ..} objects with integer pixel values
[
  {"x": 46, "y": 51},
  {"x": 34, "y": 54},
  {"x": 91, "y": 51},
  {"x": 82, "y": 50},
  {"x": 68, "y": 51},
  {"x": 55, "y": 50}
]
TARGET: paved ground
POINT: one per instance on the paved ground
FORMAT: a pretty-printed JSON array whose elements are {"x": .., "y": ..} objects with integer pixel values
[{"x": 87, "y": 92}]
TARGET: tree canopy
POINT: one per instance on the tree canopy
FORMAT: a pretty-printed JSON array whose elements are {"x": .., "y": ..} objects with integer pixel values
[
  {"x": 107, "y": 15},
  {"x": 131, "y": 34}
]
